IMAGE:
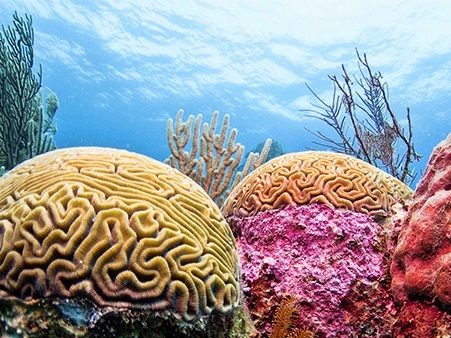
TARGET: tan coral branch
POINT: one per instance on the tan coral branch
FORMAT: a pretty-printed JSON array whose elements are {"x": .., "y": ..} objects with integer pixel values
[{"x": 214, "y": 158}]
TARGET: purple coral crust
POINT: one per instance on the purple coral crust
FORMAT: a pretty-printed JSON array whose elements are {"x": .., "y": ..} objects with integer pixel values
[{"x": 313, "y": 252}]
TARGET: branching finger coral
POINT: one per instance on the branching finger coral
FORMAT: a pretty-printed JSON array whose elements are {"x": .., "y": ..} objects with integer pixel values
[{"x": 211, "y": 159}]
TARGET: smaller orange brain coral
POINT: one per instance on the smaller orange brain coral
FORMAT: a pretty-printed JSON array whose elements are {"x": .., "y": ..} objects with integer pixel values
[
  {"x": 316, "y": 177},
  {"x": 117, "y": 227}
]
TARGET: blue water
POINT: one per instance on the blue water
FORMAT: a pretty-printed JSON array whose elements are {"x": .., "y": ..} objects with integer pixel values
[{"x": 119, "y": 77}]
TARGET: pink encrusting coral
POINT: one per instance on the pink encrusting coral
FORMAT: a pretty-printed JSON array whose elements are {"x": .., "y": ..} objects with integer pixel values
[{"x": 319, "y": 255}]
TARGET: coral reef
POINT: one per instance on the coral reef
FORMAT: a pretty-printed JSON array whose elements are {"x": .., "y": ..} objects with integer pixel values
[
  {"x": 118, "y": 228},
  {"x": 316, "y": 177},
  {"x": 421, "y": 267},
  {"x": 210, "y": 164},
  {"x": 327, "y": 259},
  {"x": 26, "y": 129}
]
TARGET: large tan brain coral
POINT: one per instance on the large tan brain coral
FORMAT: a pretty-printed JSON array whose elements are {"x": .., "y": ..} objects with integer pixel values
[
  {"x": 116, "y": 227},
  {"x": 316, "y": 177}
]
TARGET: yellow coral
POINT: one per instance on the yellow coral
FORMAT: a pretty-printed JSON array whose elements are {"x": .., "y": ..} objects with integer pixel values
[
  {"x": 117, "y": 227},
  {"x": 284, "y": 321},
  {"x": 283, "y": 318},
  {"x": 307, "y": 177}
]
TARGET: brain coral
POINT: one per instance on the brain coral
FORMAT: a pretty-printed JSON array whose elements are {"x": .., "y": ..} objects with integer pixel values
[
  {"x": 316, "y": 177},
  {"x": 117, "y": 227}
]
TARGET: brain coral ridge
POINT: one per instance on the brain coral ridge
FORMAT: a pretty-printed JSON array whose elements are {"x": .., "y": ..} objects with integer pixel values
[
  {"x": 307, "y": 177},
  {"x": 117, "y": 227}
]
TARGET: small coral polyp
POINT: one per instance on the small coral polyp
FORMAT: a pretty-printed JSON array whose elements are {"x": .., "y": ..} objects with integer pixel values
[
  {"x": 338, "y": 180},
  {"x": 117, "y": 227}
]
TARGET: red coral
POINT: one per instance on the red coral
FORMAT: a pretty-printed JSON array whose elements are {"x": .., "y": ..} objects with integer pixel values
[
  {"x": 417, "y": 319},
  {"x": 422, "y": 260}
]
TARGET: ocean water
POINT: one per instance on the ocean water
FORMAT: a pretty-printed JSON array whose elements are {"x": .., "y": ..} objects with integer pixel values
[{"x": 120, "y": 70}]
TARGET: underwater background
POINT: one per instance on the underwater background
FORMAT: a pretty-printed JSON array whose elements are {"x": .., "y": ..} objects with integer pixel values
[
  {"x": 121, "y": 69},
  {"x": 102, "y": 242}
]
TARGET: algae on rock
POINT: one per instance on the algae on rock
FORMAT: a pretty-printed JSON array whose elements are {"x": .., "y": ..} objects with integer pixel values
[{"x": 79, "y": 318}]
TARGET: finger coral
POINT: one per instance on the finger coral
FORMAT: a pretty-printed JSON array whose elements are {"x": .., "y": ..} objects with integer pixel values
[
  {"x": 308, "y": 177},
  {"x": 212, "y": 159},
  {"x": 118, "y": 228}
]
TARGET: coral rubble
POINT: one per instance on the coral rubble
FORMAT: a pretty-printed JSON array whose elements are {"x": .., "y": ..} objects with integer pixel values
[{"x": 80, "y": 318}]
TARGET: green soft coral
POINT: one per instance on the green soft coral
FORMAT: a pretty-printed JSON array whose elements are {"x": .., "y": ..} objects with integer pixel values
[{"x": 26, "y": 128}]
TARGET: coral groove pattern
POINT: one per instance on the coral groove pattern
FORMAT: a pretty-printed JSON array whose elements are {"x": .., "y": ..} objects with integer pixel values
[
  {"x": 117, "y": 227},
  {"x": 335, "y": 179}
]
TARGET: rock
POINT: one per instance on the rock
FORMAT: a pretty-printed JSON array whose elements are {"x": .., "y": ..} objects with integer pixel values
[
  {"x": 421, "y": 266},
  {"x": 417, "y": 319},
  {"x": 80, "y": 318}
]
